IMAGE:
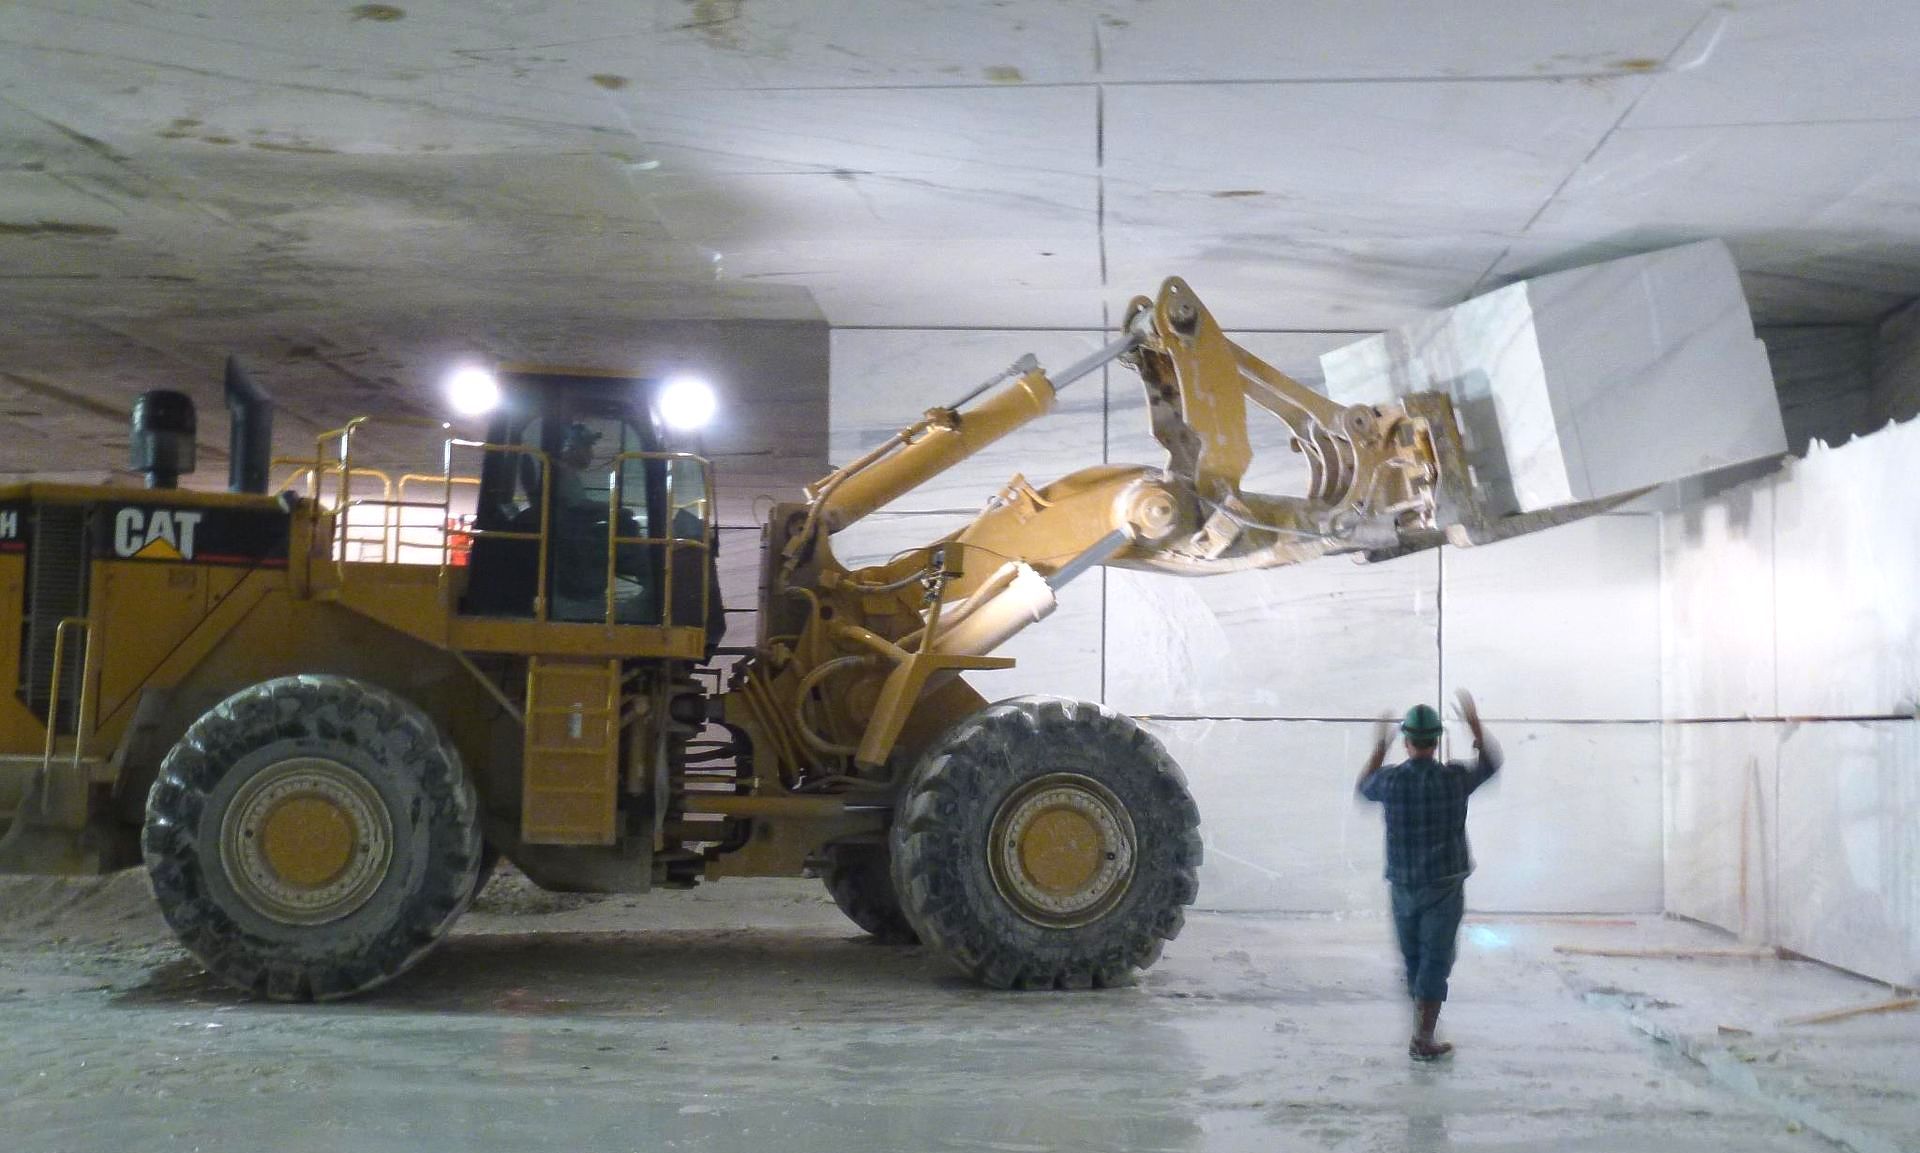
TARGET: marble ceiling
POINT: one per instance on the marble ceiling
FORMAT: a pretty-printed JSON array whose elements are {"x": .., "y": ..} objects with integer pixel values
[{"x": 350, "y": 195}]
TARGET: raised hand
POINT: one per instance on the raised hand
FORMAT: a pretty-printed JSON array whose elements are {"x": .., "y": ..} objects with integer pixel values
[{"x": 1471, "y": 712}]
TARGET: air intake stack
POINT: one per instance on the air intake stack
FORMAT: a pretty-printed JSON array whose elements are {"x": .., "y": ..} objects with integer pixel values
[{"x": 162, "y": 444}]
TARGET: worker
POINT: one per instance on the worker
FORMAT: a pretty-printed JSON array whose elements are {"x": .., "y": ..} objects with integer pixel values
[{"x": 1425, "y": 803}]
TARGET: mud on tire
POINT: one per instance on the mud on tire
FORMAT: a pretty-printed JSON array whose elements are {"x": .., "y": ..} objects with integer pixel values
[
  {"x": 860, "y": 879},
  {"x": 950, "y": 857},
  {"x": 377, "y": 747}
]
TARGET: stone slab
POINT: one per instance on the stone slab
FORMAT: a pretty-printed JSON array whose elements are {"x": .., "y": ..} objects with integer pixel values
[
  {"x": 1850, "y": 846},
  {"x": 1327, "y": 639},
  {"x": 1716, "y": 607},
  {"x": 1847, "y": 601},
  {"x": 1572, "y": 825},
  {"x": 1590, "y": 382},
  {"x": 1722, "y": 825},
  {"x": 1557, "y": 625}
]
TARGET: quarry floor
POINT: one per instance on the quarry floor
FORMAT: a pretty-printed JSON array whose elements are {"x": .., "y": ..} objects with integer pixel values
[{"x": 750, "y": 1016}]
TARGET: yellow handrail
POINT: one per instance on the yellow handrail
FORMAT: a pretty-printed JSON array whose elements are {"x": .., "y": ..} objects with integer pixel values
[
  {"x": 671, "y": 541},
  {"x": 53, "y": 700},
  {"x": 540, "y": 572}
]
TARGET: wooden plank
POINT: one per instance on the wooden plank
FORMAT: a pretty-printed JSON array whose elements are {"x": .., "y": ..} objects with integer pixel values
[{"x": 1897, "y": 1005}]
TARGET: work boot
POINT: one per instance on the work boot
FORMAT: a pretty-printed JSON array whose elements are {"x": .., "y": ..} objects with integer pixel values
[{"x": 1423, "y": 1047}]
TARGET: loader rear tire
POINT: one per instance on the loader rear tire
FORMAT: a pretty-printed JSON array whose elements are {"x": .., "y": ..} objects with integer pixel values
[
  {"x": 860, "y": 878},
  {"x": 1046, "y": 843},
  {"x": 311, "y": 837}
]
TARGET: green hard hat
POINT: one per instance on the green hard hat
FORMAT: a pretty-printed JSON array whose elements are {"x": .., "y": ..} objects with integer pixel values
[{"x": 1422, "y": 723}]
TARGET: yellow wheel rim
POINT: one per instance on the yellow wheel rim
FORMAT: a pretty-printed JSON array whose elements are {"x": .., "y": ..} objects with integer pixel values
[
  {"x": 1061, "y": 850},
  {"x": 306, "y": 841}
]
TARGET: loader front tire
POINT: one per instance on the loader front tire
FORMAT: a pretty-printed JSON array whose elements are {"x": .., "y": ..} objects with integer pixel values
[
  {"x": 311, "y": 837},
  {"x": 860, "y": 879},
  {"x": 1046, "y": 843}
]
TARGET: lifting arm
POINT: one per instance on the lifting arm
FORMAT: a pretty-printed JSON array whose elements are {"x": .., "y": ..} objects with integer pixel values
[{"x": 1381, "y": 480}]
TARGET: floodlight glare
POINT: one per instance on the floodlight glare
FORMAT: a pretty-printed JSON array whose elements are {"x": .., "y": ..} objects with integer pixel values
[
  {"x": 687, "y": 403},
  {"x": 472, "y": 391}
]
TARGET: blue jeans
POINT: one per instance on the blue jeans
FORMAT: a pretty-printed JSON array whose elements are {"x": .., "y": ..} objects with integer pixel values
[{"x": 1426, "y": 918}]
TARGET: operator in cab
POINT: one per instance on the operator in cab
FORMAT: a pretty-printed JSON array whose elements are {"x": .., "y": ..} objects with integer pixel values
[{"x": 1425, "y": 806}]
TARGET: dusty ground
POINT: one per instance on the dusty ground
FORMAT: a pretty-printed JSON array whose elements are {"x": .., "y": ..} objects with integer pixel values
[{"x": 749, "y": 1015}]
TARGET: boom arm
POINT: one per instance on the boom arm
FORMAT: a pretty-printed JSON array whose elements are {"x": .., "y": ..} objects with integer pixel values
[{"x": 850, "y": 662}]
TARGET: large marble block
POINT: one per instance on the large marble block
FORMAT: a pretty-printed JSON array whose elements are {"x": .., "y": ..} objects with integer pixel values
[
  {"x": 1573, "y": 822},
  {"x": 1850, "y": 846},
  {"x": 883, "y": 379},
  {"x": 1722, "y": 825},
  {"x": 1847, "y": 578},
  {"x": 1060, "y": 655},
  {"x": 1716, "y": 607},
  {"x": 1557, "y": 625},
  {"x": 1589, "y": 382},
  {"x": 1328, "y": 639}
]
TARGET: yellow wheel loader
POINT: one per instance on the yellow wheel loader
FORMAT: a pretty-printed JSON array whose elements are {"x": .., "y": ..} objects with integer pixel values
[{"x": 320, "y": 714}]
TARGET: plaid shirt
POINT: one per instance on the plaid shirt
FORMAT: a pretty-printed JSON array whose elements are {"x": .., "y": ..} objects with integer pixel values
[{"x": 1426, "y": 811}]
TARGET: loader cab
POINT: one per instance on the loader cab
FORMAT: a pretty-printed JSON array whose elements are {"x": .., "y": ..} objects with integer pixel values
[{"x": 566, "y": 471}]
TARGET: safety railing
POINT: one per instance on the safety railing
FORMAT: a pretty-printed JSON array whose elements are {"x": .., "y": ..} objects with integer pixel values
[
  {"x": 671, "y": 542},
  {"x": 476, "y": 534},
  {"x": 378, "y": 529}
]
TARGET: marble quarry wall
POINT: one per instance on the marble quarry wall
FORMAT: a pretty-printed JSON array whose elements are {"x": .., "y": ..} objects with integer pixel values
[
  {"x": 1264, "y": 685},
  {"x": 1790, "y": 682}
]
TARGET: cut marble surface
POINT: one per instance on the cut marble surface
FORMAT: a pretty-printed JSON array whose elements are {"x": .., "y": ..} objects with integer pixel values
[
  {"x": 1849, "y": 844},
  {"x": 1572, "y": 823},
  {"x": 1722, "y": 825},
  {"x": 882, "y": 379},
  {"x": 1824, "y": 375},
  {"x": 1896, "y": 366},
  {"x": 1846, "y": 551},
  {"x": 1846, "y": 59},
  {"x": 1717, "y": 607},
  {"x": 1352, "y": 159},
  {"x": 1557, "y": 625},
  {"x": 1059, "y": 656},
  {"x": 1326, "y": 639},
  {"x": 929, "y": 132},
  {"x": 1589, "y": 382},
  {"x": 1385, "y": 40},
  {"x": 1278, "y": 815},
  {"x": 1284, "y": 831},
  {"x": 1827, "y": 203}
]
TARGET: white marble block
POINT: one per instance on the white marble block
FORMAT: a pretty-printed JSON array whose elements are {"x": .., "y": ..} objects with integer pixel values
[
  {"x": 1572, "y": 824},
  {"x": 1590, "y": 382},
  {"x": 1557, "y": 625},
  {"x": 1716, "y": 607},
  {"x": 1283, "y": 831},
  {"x": 1847, "y": 578},
  {"x": 1850, "y": 846},
  {"x": 1722, "y": 825},
  {"x": 1330, "y": 639}
]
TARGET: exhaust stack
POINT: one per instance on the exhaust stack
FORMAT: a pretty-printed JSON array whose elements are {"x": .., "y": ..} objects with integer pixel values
[{"x": 250, "y": 442}]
